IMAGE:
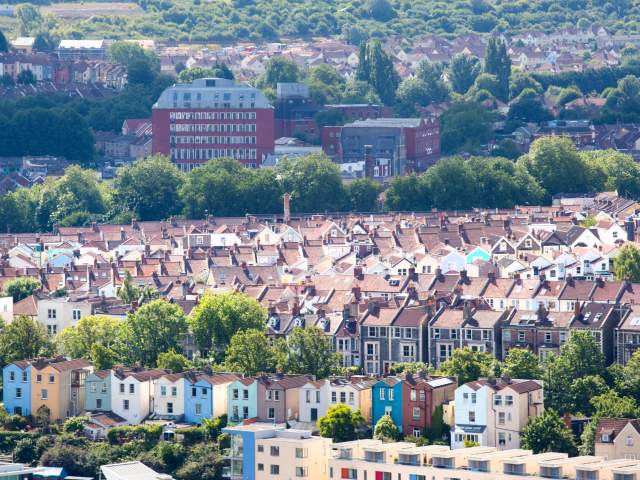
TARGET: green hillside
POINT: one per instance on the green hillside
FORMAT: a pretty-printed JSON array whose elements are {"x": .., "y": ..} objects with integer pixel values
[{"x": 241, "y": 20}]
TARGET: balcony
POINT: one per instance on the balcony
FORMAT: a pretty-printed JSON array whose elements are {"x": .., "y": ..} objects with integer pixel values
[
  {"x": 373, "y": 456},
  {"x": 409, "y": 459}
]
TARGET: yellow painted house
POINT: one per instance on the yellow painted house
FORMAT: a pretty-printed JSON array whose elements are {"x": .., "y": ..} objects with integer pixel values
[{"x": 58, "y": 384}]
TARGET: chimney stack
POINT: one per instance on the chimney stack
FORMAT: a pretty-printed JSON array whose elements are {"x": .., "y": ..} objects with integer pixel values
[{"x": 287, "y": 207}]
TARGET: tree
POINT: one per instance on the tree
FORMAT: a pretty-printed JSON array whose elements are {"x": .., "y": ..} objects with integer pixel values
[
  {"x": 376, "y": 68},
  {"x": 342, "y": 424},
  {"x": 148, "y": 188},
  {"x": 555, "y": 163},
  {"x": 629, "y": 381},
  {"x": 21, "y": 287},
  {"x": 622, "y": 102},
  {"x": 314, "y": 183},
  {"x": 432, "y": 74},
  {"x": 528, "y": 107},
  {"x": 91, "y": 332},
  {"x": 467, "y": 365},
  {"x": 407, "y": 193},
  {"x": 249, "y": 353},
  {"x": 4, "y": 44},
  {"x": 464, "y": 128},
  {"x": 326, "y": 84},
  {"x": 219, "y": 70},
  {"x": 224, "y": 187},
  {"x": 278, "y": 70},
  {"x": 363, "y": 195},
  {"x": 128, "y": 292},
  {"x": 154, "y": 328},
  {"x": 521, "y": 363},
  {"x": 548, "y": 433},
  {"x": 463, "y": 71},
  {"x": 173, "y": 361},
  {"x": 610, "y": 170},
  {"x": 386, "y": 430},
  {"x": 217, "y": 318},
  {"x": 497, "y": 62},
  {"x": 626, "y": 265},
  {"x": 74, "y": 424},
  {"x": 41, "y": 44},
  {"x": 410, "y": 93},
  {"x": 25, "y": 451},
  {"x": 410, "y": 367},
  {"x": 142, "y": 65},
  {"x": 306, "y": 351},
  {"x": 381, "y": 10},
  {"x": 520, "y": 81},
  {"x": 24, "y": 338}
]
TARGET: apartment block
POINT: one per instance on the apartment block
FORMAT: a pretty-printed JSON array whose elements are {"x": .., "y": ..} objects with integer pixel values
[
  {"x": 374, "y": 460},
  {"x": 262, "y": 450}
]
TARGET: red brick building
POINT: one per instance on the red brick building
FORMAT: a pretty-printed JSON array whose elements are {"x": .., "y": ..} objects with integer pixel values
[
  {"x": 212, "y": 118},
  {"x": 388, "y": 146},
  {"x": 421, "y": 395}
]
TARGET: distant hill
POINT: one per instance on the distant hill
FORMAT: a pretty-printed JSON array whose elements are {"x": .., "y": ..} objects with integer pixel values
[{"x": 269, "y": 20}]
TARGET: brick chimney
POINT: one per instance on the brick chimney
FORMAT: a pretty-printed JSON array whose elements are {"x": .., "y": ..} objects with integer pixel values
[{"x": 287, "y": 207}]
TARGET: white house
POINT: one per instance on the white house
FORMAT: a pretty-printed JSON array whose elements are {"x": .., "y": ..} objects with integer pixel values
[
  {"x": 58, "y": 313},
  {"x": 169, "y": 396},
  {"x": 313, "y": 400},
  {"x": 132, "y": 393},
  {"x": 354, "y": 393},
  {"x": 493, "y": 412}
]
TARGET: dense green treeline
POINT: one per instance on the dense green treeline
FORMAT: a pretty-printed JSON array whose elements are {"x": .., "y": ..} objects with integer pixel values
[
  {"x": 153, "y": 189},
  {"x": 355, "y": 20}
]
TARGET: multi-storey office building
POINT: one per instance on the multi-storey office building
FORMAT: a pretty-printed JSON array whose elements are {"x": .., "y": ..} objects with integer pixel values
[{"x": 212, "y": 118}]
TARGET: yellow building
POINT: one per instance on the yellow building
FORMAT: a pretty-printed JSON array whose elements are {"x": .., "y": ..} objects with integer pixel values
[
  {"x": 618, "y": 438},
  {"x": 58, "y": 385}
]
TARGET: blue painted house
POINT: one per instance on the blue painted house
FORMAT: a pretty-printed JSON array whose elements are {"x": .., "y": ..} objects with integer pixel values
[
  {"x": 242, "y": 400},
  {"x": 16, "y": 379},
  {"x": 205, "y": 395},
  {"x": 97, "y": 391},
  {"x": 386, "y": 398},
  {"x": 478, "y": 253}
]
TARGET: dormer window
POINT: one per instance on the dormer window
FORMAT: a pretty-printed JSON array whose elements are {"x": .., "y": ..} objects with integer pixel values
[{"x": 605, "y": 438}]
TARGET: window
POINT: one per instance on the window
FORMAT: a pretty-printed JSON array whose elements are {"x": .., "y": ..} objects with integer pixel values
[
  {"x": 301, "y": 453},
  {"x": 52, "y": 379},
  {"x": 163, "y": 390},
  {"x": 413, "y": 395},
  {"x": 501, "y": 418},
  {"x": 317, "y": 396},
  {"x": 351, "y": 398},
  {"x": 261, "y": 467},
  {"x": 473, "y": 398},
  {"x": 198, "y": 409},
  {"x": 472, "y": 416},
  {"x": 52, "y": 313},
  {"x": 125, "y": 404},
  {"x": 547, "y": 337},
  {"x": 308, "y": 396},
  {"x": 382, "y": 394},
  {"x": 245, "y": 412},
  {"x": 501, "y": 438},
  {"x": 98, "y": 403},
  {"x": 333, "y": 397},
  {"x": 169, "y": 407},
  {"x": 422, "y": 396},
  {"x": 301, "y": 471},
  {"x": 132, "y": 388},
  {"x": 436, "y": 333},
  {"x": 38, "y": 378},
  {"x": 76, "y": 314},
  {"x": 260, "y": 448},
  {"x": 235, "y": 394},
  {"x": 275, "y": 469},
  {"x": 271, "y": 413},
  {"x": 44, "y": 394},
  {"x": 24, "y": 376},
  {"x": 521, "y": 336},
  {"x": 174, "y": 391},
  {"x": 245, "y": 394},
  {"x": 391, "y": 394},
  {"x": 416, "y": 412},
  {"x": 343, "y": 397},
  {"x": 12, "y": 376},
  {"x": 416, "y": 432},
  {"x": 18, "y": 392},
  {"x": 122, "y": 388},
  {"x": 629, "y": 441},
  {"x": 508, "y": 400},
  {"x": 274, "y": 451}
]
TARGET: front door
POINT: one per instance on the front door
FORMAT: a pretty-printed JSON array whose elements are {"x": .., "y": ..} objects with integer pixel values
[{"x": 314, "y": 414}]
